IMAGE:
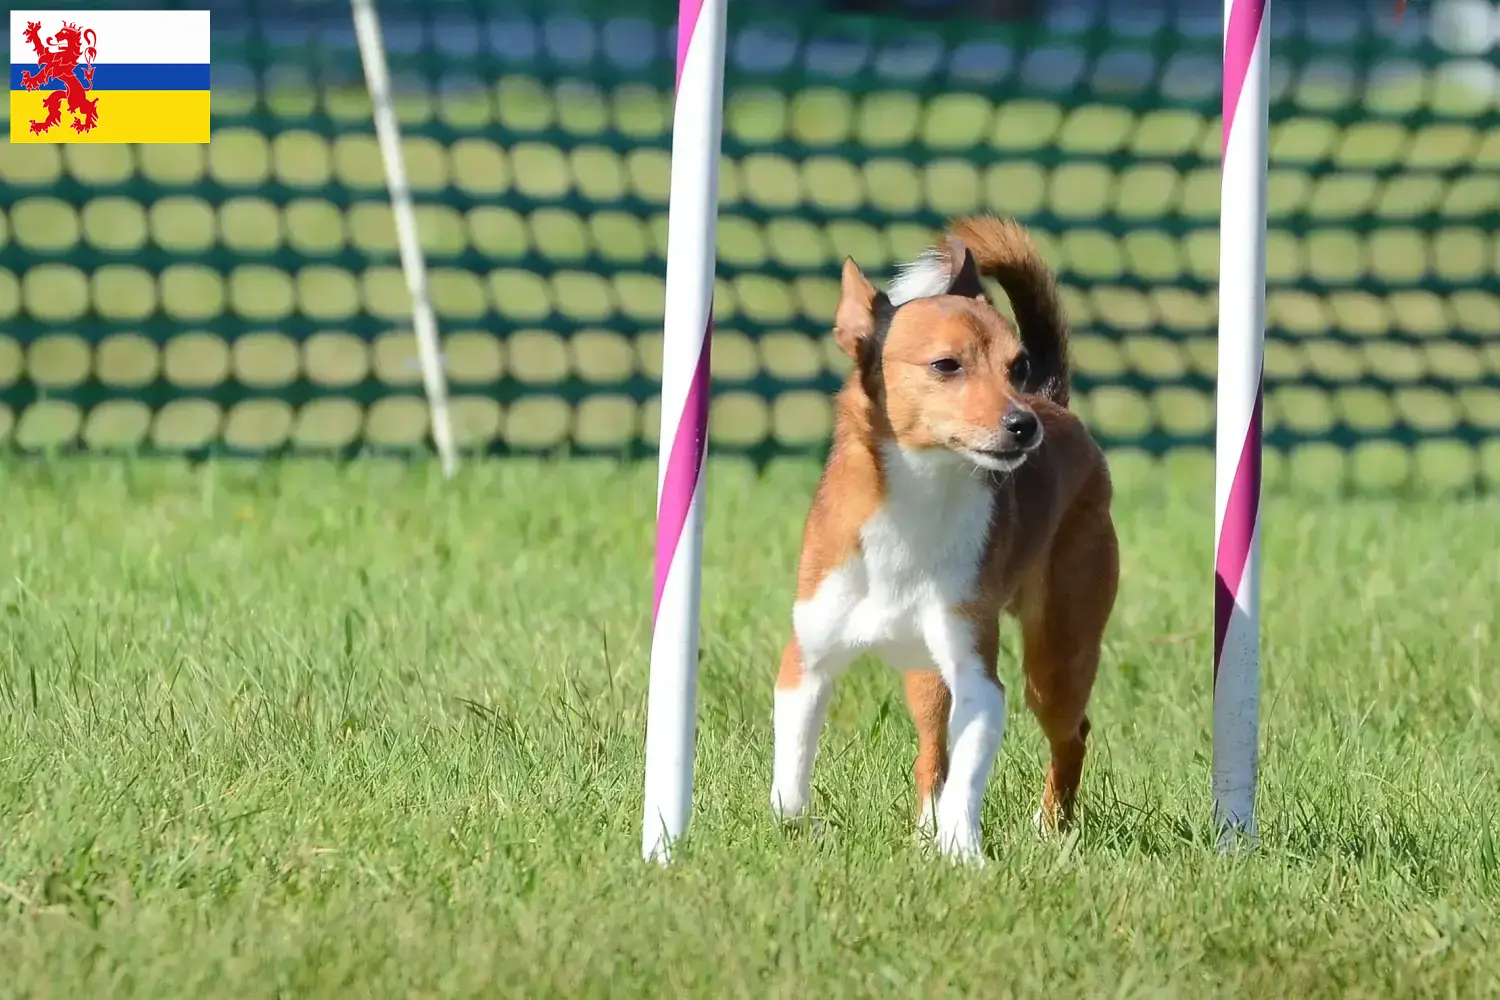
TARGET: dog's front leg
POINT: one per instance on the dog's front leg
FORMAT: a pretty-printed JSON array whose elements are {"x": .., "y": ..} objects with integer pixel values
[
  {"x": 965, "y": 655},
  {"x": 804, "y": 687}
]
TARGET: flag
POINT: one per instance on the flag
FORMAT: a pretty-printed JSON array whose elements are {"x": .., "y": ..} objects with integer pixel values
[{"x": 109, "y": 76}]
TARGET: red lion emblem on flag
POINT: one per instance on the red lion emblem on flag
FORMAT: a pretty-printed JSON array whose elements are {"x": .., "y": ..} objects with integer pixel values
[{"x": 56, "y": 58}]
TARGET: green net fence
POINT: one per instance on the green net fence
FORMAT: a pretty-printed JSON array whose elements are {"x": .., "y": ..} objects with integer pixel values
[{"x": 246, "y": 298}]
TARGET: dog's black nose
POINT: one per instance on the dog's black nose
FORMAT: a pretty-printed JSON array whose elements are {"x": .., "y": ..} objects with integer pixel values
[{"x": 1021, "y": 425}]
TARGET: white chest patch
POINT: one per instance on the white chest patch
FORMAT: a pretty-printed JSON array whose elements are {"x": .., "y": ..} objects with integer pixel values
[{"x": 919, "y": 557}]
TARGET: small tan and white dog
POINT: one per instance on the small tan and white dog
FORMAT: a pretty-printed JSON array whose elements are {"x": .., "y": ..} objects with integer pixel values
[{"x": 959, "y": 486}]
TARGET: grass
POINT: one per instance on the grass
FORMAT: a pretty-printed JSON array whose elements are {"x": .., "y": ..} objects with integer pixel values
[{"x": 302, "y": 731}]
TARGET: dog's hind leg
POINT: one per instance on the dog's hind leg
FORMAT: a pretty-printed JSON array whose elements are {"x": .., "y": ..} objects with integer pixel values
[{"x": 1063, "y": 615}]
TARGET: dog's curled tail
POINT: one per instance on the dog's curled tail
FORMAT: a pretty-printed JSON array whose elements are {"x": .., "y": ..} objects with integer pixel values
[{"x": 1003, "y": 250}]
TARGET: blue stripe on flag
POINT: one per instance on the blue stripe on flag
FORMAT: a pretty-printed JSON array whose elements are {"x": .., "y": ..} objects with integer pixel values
[{"x": 129, "y": 76}]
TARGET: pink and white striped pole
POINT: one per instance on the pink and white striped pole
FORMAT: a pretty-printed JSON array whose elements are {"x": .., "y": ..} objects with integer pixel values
[
  {"x": 691, "y": 233},
  {"x": 1242, "y": 325}
]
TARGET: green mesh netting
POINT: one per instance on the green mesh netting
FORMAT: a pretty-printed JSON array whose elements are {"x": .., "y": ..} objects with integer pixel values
[{"x": 246, "y": 297}]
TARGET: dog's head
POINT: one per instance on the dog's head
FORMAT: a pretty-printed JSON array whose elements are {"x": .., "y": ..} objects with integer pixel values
[{"x": 944, "y": 369}]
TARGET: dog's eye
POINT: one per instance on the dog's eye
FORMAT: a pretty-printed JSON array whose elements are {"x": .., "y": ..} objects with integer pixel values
[
  {"x": 1020, "y": 370},
  {"x": 946, "y": 366}
]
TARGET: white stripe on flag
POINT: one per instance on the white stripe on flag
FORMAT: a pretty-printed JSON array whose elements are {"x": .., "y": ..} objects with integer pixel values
[{"x": 124, "y": 36}]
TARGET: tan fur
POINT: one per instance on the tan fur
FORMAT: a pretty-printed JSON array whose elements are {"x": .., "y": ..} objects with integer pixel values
[{"x": 1051, "y": 557}]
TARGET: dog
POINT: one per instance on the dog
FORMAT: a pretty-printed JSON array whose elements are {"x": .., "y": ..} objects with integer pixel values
[{"x": 959, "y": 486}]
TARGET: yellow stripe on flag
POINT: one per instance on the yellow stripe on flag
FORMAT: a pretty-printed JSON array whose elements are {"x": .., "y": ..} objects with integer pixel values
[{"x": 124, "y": 116}]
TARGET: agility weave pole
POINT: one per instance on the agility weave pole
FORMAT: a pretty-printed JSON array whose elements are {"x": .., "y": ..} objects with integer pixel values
[
  {"x": 1237, "y": 451},
  {"x": 692, "y": 224},
  {"x": 691, "y": 233},
  {"x": 413, "y": 261}
]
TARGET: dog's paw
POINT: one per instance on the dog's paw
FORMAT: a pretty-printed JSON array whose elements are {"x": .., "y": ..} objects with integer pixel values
[
  {"x": 806, "y": 825},
  {"x": 961, "y": 846},
  {"x": 787, "y": 807}
]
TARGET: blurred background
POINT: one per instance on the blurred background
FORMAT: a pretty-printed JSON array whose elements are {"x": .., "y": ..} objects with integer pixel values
[{"x": 246, "y": 298}]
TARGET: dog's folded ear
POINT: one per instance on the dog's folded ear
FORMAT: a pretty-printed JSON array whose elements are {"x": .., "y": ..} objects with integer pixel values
[
  {"x": 962, "y": 269},
  {"x": 855, "y": 320}
]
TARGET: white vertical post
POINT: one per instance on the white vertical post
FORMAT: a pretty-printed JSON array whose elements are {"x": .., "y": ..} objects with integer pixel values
[
  {"x": 413, "y": 262},
  {"x": 691, "y": 227},
  {"x": 1237, "y": 453}
]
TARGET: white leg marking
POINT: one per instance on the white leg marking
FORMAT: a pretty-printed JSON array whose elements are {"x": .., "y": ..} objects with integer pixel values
[
  {"x": 976, "y": 725},
  {"x": 799, "y": 716},
  {"x": 799, "y": 712}
]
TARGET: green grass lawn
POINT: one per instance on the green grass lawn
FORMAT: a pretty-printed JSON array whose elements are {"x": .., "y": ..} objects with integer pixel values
[{"x": 303, "y": 731}]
